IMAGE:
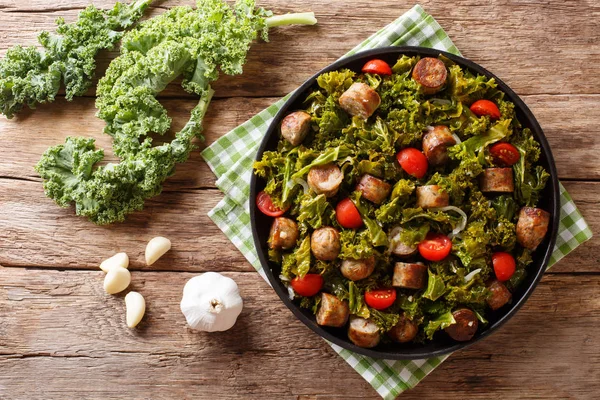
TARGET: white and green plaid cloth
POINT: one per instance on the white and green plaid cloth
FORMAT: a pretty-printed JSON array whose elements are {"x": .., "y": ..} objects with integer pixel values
[{"x": 231, "y": 159}]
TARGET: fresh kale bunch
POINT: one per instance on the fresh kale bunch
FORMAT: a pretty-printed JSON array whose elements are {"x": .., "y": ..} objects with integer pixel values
[
  {"x": 194, "y": 43},
  {"x": 29, "y": 76}
]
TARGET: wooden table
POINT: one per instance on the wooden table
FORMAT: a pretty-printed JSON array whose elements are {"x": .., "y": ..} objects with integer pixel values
[{"x": 61, "y": 336}]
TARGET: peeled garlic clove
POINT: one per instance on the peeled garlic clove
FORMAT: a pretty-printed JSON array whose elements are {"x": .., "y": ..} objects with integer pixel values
[
  {"x": 156, "y": 248},
  {"x": 116, "y": 280},
  {"x": 136, "y": 307},
  {"x": 119, "y": 259}
]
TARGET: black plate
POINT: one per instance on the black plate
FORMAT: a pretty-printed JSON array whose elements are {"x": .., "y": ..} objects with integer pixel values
[{"x": 441, "y": 344}]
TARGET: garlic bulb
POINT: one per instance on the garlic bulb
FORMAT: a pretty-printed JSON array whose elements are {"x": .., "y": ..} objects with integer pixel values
[{"x": 211, "y": 302}]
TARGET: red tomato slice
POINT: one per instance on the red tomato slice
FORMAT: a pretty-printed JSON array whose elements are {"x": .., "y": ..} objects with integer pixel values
[
  {"x": 485, "y": 107},
  {"x": 413, "y": 162},
  {"x": 504, "y": 265},
  {"x": 265, "y": 205},
  {"x": 379, "y": 67},
  {"x": 380, "y": 299},
  {"x": 347, "y": 214},
  {"x": 435, "y": 247},
  {"x": 307, "y": 286},
  {"x": 505, "y": 154}
]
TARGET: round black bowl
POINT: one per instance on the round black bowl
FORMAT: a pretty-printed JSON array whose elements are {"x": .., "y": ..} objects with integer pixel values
[{"x": 441, "y": 344}]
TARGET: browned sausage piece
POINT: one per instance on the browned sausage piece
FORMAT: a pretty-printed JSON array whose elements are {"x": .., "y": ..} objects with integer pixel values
[
  {"x": 465, "y": 327},
  {"x": 332, "y": 311},
  {"x": 356, "y": 270},
  {"x": 497, "y": 180},
  {"x": 404, "y": 331},
  {"x": 295, "y": 127},
  {"x": 409, "y": 275},
  {"x": 325, "y": 243},
  {"x": 436, "y": 143},
  {"x": 532, "y": 227},
  {"x": 363, "y": 333},
  {"x": 499, "y": 295},
  {"x": 325, "y": 179},
  {"x": 431, "y": 74},
  {"x": 360, "y": 100},
  {"x": 373, "y": 189},
  {"x": 400, "y": 249},
  {"x": 284, "y": 233},
  {"x": 432, "y": 196}
]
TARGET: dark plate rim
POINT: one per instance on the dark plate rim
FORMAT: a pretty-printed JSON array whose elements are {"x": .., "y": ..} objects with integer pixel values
[{"x": 536, "y": 129}]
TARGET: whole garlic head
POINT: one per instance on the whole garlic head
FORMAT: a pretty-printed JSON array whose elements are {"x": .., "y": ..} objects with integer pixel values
[{"x": 211, "y": 302}]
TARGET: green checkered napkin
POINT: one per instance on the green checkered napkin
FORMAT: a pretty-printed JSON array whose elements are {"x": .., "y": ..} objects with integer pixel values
[{"x": 231, "y": 159}]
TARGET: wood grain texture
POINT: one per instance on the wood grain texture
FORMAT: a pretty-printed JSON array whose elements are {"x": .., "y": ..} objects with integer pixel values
[
  {"x": 36, "y": 232},
  {"x": 551, "y": 333},
  {"x": 61, "y": 336},
  {"x": 28, "y": 135},
  {"x": 520, "y": 31}
]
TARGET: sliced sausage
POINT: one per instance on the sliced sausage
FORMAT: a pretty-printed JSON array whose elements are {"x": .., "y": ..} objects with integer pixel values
[
  {"x": 284, "y": 233},
  {"x": 409, "y": 275},
  {"x": 404, "y": 331},
  {"x": 363, "y": 333},
  {"x": 532, "y": 227},
  {"x": 465, "y": 327},
  {"x": 325, "y": 243},
  {"x": 431, "y": 74},
  {"x": 398, "y": 248},
  {"x": 373, "y": 189},
  {"x": 432, "y": 196},
  {"x": 356, "y": 270},
  {"x": 499, "y": 295},
  {"x": 325, "y": 179},
  {"x": 333, "y": 311},
  {"x": 497, "y": 180},
  {"x": 360, "y": 100},
  {"x": 436, "y": 143},
  {"x": 295, "y": 127}
]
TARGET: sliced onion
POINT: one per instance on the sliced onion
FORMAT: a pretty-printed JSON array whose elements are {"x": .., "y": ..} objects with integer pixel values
[
  {"x": 302, "y": 183},
  {"x": 283, "y": 278},
  {"x": 471, "y": 275},
  {"x": 395, "y": 237},
  {"x": 297, "y": 181},
  {"x": 456, "y": 138},
  {"x": 291, "y": 292},
  {"x": 462, "y": 224}
]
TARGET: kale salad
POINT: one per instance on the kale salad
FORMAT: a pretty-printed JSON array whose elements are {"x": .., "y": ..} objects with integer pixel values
[{"x": 404, "y": 201}]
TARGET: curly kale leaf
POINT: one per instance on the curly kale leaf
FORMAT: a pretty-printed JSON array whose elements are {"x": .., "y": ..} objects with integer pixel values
[
  {"x": 529, "y": 180},
  {"x": 29, "y": 76},
  {"x": 336, "y": 82},
  {"x": 193, "y": 43}
]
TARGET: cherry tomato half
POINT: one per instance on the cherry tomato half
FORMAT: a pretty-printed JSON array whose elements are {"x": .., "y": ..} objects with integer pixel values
[
  {"x": 413, "y": 162},
  {"x": 504, "y": 265},
  {"x": 505, "y": 154},
  {"x": 347, "y": 214},
  {"x": 307, "y": 286},
  {"x": 435, "y": 247},
  {"x": 485, "y": 107},
  {"x": 380, "y": 299},
  {"x": 265, "y": 205},
  {"x": 379, "y": 67}
]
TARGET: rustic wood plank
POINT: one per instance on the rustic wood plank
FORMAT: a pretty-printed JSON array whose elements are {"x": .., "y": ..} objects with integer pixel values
[
  {"x": 34, "y": 231},
  {"x": 28, "y": 135},
  {"x": 62, "y": 333},
  {"x": 528, "y": 64},
  {"x": 63, "y": 337},
  {"x": 39, "y": 233}
]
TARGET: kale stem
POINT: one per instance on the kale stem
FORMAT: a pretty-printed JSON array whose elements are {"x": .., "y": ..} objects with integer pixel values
[{"x": 307, "y": 18}]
